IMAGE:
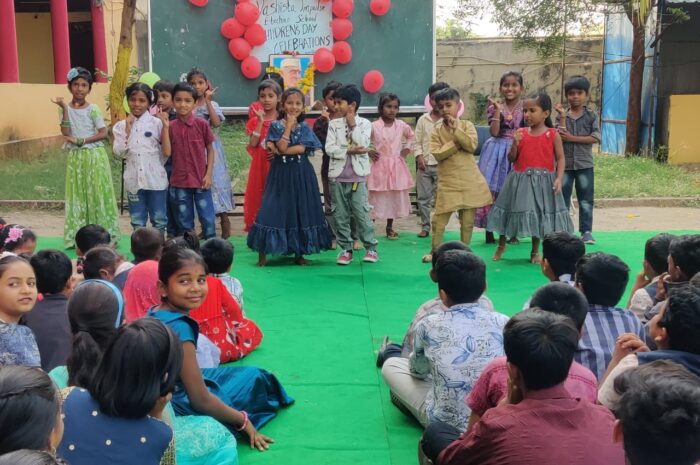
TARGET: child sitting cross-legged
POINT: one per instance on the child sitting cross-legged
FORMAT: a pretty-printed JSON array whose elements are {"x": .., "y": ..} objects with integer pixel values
[
  {"x": 451, "y": 347},
  {"x": 218, "y": 255},
  {"x": 654, "y": 265}
]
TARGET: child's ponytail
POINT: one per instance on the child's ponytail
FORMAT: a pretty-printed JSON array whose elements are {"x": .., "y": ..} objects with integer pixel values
[{"x": 84, "y": 358}]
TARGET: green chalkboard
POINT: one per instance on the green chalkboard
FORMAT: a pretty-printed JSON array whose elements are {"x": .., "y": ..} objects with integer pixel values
[{"x": 399, "y": 44}]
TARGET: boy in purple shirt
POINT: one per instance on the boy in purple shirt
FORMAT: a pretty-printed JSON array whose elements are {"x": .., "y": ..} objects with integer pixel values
[{"x": 193, "y": 164}]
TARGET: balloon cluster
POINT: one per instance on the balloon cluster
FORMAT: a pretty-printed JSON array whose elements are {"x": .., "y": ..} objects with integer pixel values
[{"x": 244, "y": 33}]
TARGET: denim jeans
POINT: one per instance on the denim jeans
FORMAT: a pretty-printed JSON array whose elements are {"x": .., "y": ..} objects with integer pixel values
[
  {"x": 583, "y": 180},
  {"x": 184, "y": 201},
  {"x": 145, "y": 204}
]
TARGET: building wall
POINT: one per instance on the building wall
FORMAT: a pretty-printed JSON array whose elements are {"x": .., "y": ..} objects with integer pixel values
[
  {"x": 474, "y": 67},
  {"x": 683, "y": 143},
  {"x": 34, "y": 47}
]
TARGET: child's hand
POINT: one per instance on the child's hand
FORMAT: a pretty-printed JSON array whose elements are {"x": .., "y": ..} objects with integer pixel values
[
  {"x": 60, "y": 102},
  {"x": 206, "y": 182},
  {"x": 291, "y": 121},
  {"x": 420, "y": 163},
  {"x": 557, "y": 186},
  {"x": 209, "y": 94},
  {"x": 641, "y": 280},
  {"x": 163, "y": 116},
  {"x": 565, "y": 134},
  {"x": 260, "y": 114},
  {"x": 559, "y": 108},
  {"x": 272, "y": 151},
  {"x": 71, "y": 139},
  {"x": 497, "y": 104},
  {"x": 628, "y": 343},
  {"x": 450, "y": 121},
  {"x": 324, "y": 113},
  {"x": 660, "y": 288},
  {"x": 517, "y": 137},
  {"x": 405, "y": 152},
  {"x": 373, "y": 154},
  {"x": 257, "y": 440}
]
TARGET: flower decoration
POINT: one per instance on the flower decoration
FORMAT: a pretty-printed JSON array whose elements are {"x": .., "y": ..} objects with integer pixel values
[
  {"x": 72, "y": 74},
  {"x": 14, "y": 235}
]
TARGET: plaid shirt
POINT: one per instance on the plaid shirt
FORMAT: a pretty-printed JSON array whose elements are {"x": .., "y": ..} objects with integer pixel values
[
  {"x": 580, "y": 156},
  {"x": 600, "y": 332}
]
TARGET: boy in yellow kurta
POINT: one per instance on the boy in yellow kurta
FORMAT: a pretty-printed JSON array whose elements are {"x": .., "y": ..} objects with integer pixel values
[{"x": 461, "y": 187}]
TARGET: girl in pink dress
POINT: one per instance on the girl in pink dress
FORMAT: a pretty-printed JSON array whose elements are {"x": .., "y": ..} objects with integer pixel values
[{"x": 390, "y": 178}]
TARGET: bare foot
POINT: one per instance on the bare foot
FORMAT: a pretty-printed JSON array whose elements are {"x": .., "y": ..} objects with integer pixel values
[
  {"x": 514, "y": 240},
  {"x": 301, "y": 261},
  {"x": 262, "y": 260},
  {"x": 356, "y": 245},
  {"x": 499, "y": 252},
  {"x": 535, "y": 258}
]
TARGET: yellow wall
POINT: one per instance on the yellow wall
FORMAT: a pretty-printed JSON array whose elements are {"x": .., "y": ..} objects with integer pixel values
[
  {"x": 34, "y": 47},
  {"x": 683, "y": 143}
]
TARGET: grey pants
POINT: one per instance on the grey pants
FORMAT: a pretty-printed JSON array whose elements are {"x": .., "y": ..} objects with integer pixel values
[
  {"x": 426, "y": 186},
  {"x": 348, "y": 205}
]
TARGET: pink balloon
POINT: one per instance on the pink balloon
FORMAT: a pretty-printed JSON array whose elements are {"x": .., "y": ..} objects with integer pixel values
[
  {"x": 232, "y": 28},
  {"x": 343, "y": 8},
  {"x": 379, "y": 7},
  {"x": 342, "y": 28},
  {"x": 239, "y": 48},
  {"x": 342, "y": 52},
  {"x": 251, "y": 67},
  {"x": 324, "y": 60},
  {"x": 255, "y": 35},
  {"x": 199, "y": 3},
  {"x": 373, "y": 81},
  {"x": 246, "y": 13}
]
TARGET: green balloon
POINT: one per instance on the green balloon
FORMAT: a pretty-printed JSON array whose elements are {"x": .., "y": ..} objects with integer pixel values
[{"x": 149, "y": 78}]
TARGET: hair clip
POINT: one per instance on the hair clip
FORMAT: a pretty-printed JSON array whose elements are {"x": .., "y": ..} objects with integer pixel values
[
  {"x": 72, "y": 74},
  {"x": 14, "y": 235}
]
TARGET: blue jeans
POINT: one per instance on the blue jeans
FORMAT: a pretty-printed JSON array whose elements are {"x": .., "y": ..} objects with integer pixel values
[
  {"x": 172, "y": 226},
  {"x": 145, "y": 204},
  {"x": 184, "y": 201},
  {"x": 583, "y": 179}
]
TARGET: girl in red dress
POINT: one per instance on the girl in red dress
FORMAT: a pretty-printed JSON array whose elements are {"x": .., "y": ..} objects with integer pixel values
[
  {"x": 530, "y": 203},
  {"x": 261, "y": 116}
]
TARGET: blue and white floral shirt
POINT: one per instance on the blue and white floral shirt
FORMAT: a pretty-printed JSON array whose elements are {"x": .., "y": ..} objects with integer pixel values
[
  {"x": 18, "y": 346},
  {"x": 452, "y": 348}
]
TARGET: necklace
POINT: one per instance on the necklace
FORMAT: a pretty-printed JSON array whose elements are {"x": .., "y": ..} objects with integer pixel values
[{"x": 509, "y": 112}]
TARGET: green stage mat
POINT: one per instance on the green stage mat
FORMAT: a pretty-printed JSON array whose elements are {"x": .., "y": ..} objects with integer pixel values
[{"x": 323, "y": 323}]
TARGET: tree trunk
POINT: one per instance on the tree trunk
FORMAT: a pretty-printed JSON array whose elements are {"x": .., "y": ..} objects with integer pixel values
[
  {"x": 121, "y": 68},
  {"x": 634, "y": 103}
]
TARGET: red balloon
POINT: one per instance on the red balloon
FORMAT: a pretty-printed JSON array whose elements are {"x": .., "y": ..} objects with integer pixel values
[
  {"x": 324, "y": 60},
  {"x": 247, "y": 13},
  {"x": 255, "y": 35},
  {"x": 251, "y": 67},
  {"x": 342, "y": 28},
  {"x": 342, "y": 52},
  {"x": 199, "y": 3},
  {"x": 379, "y": 7},
  {"x": 232, "y": 28},
  {"x": 373, "y": 81},
  {"x": 343, "y": 8},
  {"x": 239, "y": 48}
]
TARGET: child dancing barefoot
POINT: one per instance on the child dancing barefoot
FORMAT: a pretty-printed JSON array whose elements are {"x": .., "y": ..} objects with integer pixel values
[
  {"x": 390, "y": 179},
  {"x": 530, "y": 203},
  {"x": 89, "y": 189},
  {"x": 290, "y": 219}
]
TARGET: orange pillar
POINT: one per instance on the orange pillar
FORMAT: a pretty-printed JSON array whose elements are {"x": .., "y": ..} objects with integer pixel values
[
  {"x": 61, "y": 41},
  {"x": 9, "y": 60},
  {"x": 98, "y": 41}
]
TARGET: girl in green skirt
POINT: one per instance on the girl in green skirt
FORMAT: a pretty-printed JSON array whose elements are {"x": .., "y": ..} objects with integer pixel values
[{"x": 89, "y": 189}]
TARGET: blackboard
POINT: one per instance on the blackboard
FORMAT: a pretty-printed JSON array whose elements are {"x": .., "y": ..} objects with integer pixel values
[{"x": 399, "y": 44}]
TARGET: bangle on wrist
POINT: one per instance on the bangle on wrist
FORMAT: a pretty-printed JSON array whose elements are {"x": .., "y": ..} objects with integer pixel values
[
  {"x": 256, "y": 134},
  {"x": 285, "y": 138},
  {"x": 79, "y": 141},
  {"x": 65, "y": 124},
  {"x": 245, "y": 421}
]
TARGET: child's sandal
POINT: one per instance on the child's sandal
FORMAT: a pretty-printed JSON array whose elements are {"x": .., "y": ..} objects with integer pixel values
[
  {"x": 391, "y": 234},
  {"x": 535, "y": 258}
]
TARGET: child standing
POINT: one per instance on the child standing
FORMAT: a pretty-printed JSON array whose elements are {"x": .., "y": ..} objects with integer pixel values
[
  {"x": 17, "y": 297},
  {"x": 347, "y": 144},
  {"x": 290, "y": 219},
  {"x": 143, "y": 139},
  {"x": 193, "y": 163},
  {"x": 461, "y": 187},
  {"x": 268, "y": 97},
  {"x": 207, "y": 108},
  {"x": 505, "y": 117},
  {"x": 390, "y": 180},
  {"x": 426, "y": 164},
  {"x": 579, "y": 130},
  {"x": 530, "y": 203},
  {"x": 89, "y": 189},
  {"x": 163, "y": 91}
]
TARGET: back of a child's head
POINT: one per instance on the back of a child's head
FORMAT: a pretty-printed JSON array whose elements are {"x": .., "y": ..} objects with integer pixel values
[
  {"x": 562, "y": 250},
  {"x": 164, "y": 86},
  {"x": 332, "y": 86},
  {"x": 174, "y": 259},
  {"x": 218, "y": 255},
  {"x": 541, "y": 345},
  {"x": 659, "y": 411},
  {"x": 603, "y": 278},
  {"x": 562, "y": 299},
  {"x": 131, "y": 390},
  {"x": 449, "y": 245},
  {"x": 437, "y": 87},
  {"x": 577, "y": 83},
  {"x": 445, "y": 94},
  {"x": 91, "y": 236},
  {"x": 147, "y": 243},
  {"x": 656, "y": 252},
  {"x": 189, "y": 240},
  {"x": 681, "y": 319},
  {"x": 95, "y": 311},
  {"x": 98, "y": 260},
  {"x": 685, "y": 252},
  {"x": 29, "y": 408},
  {"x": 30, "y": 457},
  {"x": 16, "y": 238},
  {"x": 461, "y": 275},
  {"x": 53, "y": 270},
  {"x": 349, "y": 93}
]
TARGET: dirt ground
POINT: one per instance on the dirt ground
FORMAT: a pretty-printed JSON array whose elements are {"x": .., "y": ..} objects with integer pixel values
[{"x": 50, "y": 223}]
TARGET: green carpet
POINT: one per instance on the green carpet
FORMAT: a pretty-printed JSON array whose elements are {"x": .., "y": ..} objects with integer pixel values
[{"x": 323, "y": 322}]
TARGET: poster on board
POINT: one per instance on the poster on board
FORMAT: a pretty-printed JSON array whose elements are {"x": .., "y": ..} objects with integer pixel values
[
  {"x": 302, "y": 26},
  {"x": 297, "y": 71}
]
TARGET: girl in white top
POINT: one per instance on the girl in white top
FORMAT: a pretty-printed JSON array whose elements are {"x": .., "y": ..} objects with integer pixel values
[{"x": 143, "y": 140}]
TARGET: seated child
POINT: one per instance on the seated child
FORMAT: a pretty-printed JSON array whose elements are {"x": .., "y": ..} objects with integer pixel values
[
  {"x": 218, "y": 255},
  {"x": 540, "y": 422},
  {"x": 102, "y": 262},
  {"x": 146, "y": 244},
  {"x": 603, "y": 279},
  {"x": 49, "y": 318},
  {"x": 17, "y": 298},
  {"x": 492, "y": 385},
  {"x": 654, "y": 265},
  {"x": 674, "y": 331},
  {"x": 16, "y": 240},
  {"x": 435, "y": 305},
  {"x": 451, "y": 348},
  {"x": 87, "y": 238},
  {"x": 141, "y": 290},
  {"x": 658, "y": 415}
]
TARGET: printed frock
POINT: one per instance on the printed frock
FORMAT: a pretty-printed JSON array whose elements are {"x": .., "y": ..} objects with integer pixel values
[
  {"x": 390, "y": 178},
  {"x": 221, "y": 190},
  {"x": 257, "y": 174},
  {"x": 90, "y": 195}
]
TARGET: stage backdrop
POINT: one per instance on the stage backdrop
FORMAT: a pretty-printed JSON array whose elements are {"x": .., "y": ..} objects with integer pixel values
[{"x": 399, "y": 44}]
